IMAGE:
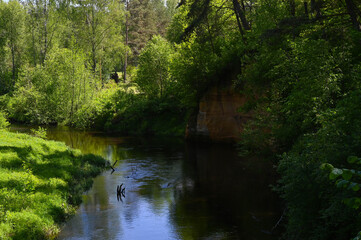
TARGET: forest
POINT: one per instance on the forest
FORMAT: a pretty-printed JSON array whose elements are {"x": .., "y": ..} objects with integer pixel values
[{"x": 140, "y": 67}]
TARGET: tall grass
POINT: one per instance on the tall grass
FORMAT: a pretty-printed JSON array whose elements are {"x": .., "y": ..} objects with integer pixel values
[{"x": 41, "y": 183}]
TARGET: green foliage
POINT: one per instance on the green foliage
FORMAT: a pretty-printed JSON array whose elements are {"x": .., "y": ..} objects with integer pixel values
[
  {"x": 358, "y": 237},
  {"x": 3, "y": 121},
  {"x": 98, "y": 26},
  {"x": 41, "y": 183},
  {"x": 349, "y": 179},
  {"x": 153, "y": 70},
  {"x": 315, "y": 205},
  {"x": 147, "y": 19},
  {"x": 55, "y": 58},
  {"x": 100, "y": 110},
  {"x": 40, "y": 132},
  {"x": 209, "y": 54},
  {"x": 298, "y": 67},
  {"x": 297, "y": 82},
  {"x": 144, "y": 116},
  {"x": 11, "y": 43},
  {"x": 122, "y": 109},
  {"x": 53, "y": 93},
  {"x": 301, "y": 74}
]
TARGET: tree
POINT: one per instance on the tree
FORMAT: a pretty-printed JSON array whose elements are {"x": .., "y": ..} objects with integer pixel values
[
  {"x": 13, "y": 17},
  {"x": 93, "y": 28},
  {"x": 53, "y": 93},
  {"x": 241, "y": 16},
  {"x": 11, "y": 43},
  {"x": 153, "y": 70},
  {"x": 146, "y": 19},
  {"x": 3, "y": 38},
  {"x": 126, "y": 40},
  {"x": 97, "y": 28},
  {"x": 141, "y": 25},
  {"x": 41, "y": 25}
]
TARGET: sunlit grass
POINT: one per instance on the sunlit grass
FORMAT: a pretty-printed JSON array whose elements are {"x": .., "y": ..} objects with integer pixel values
[{"x": 41, "y": 183}]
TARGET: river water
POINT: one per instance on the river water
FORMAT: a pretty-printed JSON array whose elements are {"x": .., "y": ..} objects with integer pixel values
[{"x": 173, "y": 190}]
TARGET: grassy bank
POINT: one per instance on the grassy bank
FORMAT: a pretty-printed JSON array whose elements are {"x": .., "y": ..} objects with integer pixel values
[{"x": 41, "y": 183}]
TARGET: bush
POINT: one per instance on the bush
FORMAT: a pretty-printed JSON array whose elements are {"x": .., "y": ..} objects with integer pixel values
[
  {"x": 53, "y": 93},
  {"x": 122, "y": 109},
  {"x": 153, "y": 70},
  {"x": 40, "y": 132},
  {"x": 3, "y": 121},
  {"x": 316, "y": 208},
  {"x": 103, "y": 107}
]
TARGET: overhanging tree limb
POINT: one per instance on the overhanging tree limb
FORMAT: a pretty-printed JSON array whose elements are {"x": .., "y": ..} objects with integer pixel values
[
  {"x": 241, "y": 15},
  {"x": 194, "y": 11}
]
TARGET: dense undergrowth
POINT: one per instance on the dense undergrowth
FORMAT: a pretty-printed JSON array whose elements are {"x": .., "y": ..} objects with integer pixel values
[
  {"x": 305, "y": 79},
  {"x": 306, "y": 82},
  {"x": 41, "y": 183},
  {"x": 122, "y": 109}
]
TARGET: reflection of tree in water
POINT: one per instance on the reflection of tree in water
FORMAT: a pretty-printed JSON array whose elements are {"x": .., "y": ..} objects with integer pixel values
[
  {"x": 90, "y": 142},
  {"x": 231, "y": 197},
  {"x": 98, "y": 218},
  {"x": 87, "y": 142}
]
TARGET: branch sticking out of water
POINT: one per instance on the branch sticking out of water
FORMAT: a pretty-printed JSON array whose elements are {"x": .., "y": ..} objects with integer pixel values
[{"x": 120, "y": 192}]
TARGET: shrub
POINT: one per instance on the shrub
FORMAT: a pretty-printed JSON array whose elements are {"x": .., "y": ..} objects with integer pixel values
[
  {"x": 316, "y": 208},
  {"x": 3, "y": 121},
  {"x": 40, "y": 132},
  {"x": 53, "y": 93}
]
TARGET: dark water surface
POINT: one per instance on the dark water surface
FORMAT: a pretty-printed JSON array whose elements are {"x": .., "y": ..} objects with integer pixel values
[{"x": 174, "y": 190}]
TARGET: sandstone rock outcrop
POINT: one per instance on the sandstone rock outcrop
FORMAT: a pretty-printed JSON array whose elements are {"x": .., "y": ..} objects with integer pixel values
[{"x": 218, "y": 118}]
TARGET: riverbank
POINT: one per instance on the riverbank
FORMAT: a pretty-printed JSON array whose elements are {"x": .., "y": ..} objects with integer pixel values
[{"x": 41, "y": 184}]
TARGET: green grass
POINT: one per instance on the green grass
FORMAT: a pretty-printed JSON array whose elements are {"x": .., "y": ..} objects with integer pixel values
[{"x": 41, "y": 183}]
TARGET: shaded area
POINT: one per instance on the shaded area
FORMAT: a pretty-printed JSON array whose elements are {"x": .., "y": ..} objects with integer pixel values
[{"x": 229, "y": 197}]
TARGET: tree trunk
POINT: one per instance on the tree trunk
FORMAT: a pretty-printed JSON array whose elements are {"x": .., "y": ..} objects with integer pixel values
[
  {"x": 33, "y": 43},
  {"x": 305, "y": 4},
  {"x": 45, "y": 11},
  {"x": 239, "y": 24},
  {"x": 94, "y": 57},
  {"x": 73, "y": 90},
  {"x": 100, "y": 71},
  {"x": 13, "y": 60},
  {"x": 93, "y": 38},
  {"x": 352, "y": 11},
  {"x": 161, "y": 84},
  {"x": 210, "y": 35},
  {"x": 240, "y": 14},
  {"x": 126, "y": 43},
  {"x": 292, "y": 8}
]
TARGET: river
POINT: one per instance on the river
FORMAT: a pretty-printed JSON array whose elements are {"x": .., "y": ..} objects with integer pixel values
[{"x": 173, "y": 190}]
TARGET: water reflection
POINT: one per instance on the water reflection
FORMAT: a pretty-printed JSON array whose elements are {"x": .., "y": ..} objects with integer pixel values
[{"x": 173, "y": 190}]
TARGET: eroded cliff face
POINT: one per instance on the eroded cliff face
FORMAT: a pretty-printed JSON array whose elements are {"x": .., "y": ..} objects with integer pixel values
[{"x": 218, "y": 118}]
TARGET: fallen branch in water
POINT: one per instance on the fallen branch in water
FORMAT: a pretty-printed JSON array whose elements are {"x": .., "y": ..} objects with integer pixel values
[
  {"x": 120, "y": 192},
  {"x": 279, "y": 220},
  {"x": 115, "y": 163}
]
